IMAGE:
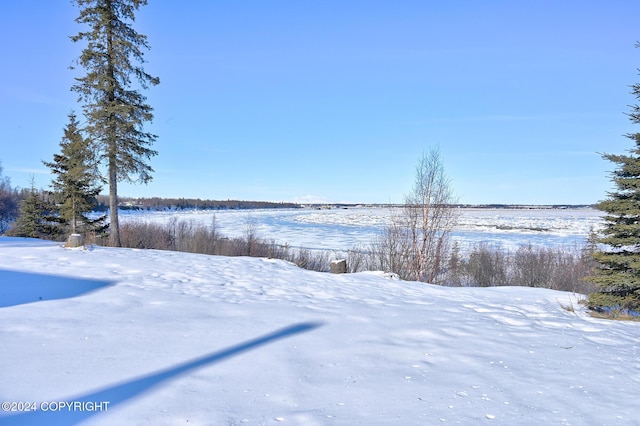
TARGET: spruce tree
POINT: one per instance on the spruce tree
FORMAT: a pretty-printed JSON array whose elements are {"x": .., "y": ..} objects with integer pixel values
[
  {"x": 76, "y": 182},
  {"x": 618, "y": 273},
  {"x": 115, "y": 112},
  {"x": 37, "y": 217}
]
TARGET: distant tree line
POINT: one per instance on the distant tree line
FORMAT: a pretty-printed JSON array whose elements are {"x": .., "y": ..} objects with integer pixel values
[
  {"x": 158, "y": 203},
  {"x": 525, "y": 206}
]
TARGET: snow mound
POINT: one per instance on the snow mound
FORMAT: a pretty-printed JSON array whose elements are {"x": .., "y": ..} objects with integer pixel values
[{"x": 122, "y": 336}]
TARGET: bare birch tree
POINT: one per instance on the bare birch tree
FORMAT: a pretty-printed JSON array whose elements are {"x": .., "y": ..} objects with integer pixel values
[{"x": 417, "y": 243}]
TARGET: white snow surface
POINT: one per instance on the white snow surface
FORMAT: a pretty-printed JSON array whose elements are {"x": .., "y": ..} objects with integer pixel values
[{"x": 173, "y": 339}]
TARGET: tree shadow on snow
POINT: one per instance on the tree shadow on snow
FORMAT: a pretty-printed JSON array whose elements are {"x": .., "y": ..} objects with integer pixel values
[
  {"x": 122, "y": 392},
  {"x": 17, "y": 288}
]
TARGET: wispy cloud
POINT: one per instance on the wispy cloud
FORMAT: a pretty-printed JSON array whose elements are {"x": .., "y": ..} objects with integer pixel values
[
  {"x": 553, "y": 154},
  {"x": 310, "y": 199},
  {"x": 28, "y": 170},
  {"x": 507, "y": 118}
]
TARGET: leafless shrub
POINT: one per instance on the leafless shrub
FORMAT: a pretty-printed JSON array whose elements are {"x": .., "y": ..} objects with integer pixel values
[
  {"x": 252, "y": 246},
  {"x": 555, "y": 268},
  {"x": 96, "y": 238},
  {"x": 391, "y": 250},
  {"x": 572, "y": 267},
  {"x": 534, "y": 267},
  {"x": 188, "y": 236},
  {"x": 358, "y": 259},
  {"x": 192, "y": 237},
  {"x": 278, "y": 251},
  {"x": 455, "y": 272},
  {"x": 311, "y": 260},
  {"x": 487, "y": 266},
  {"x": 146, "y": 236}
]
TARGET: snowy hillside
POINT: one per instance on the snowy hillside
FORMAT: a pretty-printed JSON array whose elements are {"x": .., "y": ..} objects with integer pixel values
[{"x": 172, "y": 338}]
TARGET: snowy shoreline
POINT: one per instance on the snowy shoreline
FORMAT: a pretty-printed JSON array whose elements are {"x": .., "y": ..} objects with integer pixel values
[{"x": 343, "y": 229}]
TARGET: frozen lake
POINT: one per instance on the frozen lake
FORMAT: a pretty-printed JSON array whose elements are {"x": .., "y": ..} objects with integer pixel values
[{"x": 343, "y": 229}]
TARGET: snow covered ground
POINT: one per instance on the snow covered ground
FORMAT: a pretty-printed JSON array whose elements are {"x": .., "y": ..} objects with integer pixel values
[{"x": 161, "y": 338}]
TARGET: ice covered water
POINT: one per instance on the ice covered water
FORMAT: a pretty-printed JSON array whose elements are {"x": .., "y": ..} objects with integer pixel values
[
  {"x": 511, "y": 228},
  {"x": 343, "y": 229}
]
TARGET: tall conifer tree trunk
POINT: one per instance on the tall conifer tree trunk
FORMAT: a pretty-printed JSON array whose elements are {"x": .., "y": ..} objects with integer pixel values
[{"x": 115, "y": 112}]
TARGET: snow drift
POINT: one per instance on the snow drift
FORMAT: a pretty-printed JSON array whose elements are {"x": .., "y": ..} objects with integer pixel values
[{"x": 170, "y": 338}]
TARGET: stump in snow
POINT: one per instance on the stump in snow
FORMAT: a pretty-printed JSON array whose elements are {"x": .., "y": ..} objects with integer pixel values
[
  {"x": 75, "y": 240},
  {"x": 338, "y": 266}
]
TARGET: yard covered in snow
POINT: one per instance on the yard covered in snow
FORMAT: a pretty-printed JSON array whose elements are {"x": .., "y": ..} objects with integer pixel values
[{"x": 169, "y": 338}]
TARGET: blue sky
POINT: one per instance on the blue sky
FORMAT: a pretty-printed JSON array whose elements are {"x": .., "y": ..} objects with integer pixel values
[{"x": 335, "y": 101}]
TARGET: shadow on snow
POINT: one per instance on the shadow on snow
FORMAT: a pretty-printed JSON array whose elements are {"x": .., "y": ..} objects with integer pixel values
[
  {"x": 122, "y": 392},
  {"x": 17, "y": 288}
]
